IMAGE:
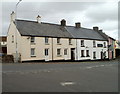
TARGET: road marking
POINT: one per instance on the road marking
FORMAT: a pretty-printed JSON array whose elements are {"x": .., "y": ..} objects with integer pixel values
[
  {"x": 67, "y": 83},
  {"x": 102, "y": 65},
  {"x": 88, "y": 67}
]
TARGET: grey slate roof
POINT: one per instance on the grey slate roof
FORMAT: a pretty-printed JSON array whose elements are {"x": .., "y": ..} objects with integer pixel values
[
  {"x": 84, "y": 33},
  {"x": 32, "y": 28}
]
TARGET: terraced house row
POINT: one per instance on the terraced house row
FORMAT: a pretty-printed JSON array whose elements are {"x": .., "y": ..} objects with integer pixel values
[{"x": 36, "y": 40}]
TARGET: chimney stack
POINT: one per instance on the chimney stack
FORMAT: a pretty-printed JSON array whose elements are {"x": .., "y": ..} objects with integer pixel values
[
  {"x": 78, "y": 25},
  {"x": 101, "y": 30},
  {"x": 13, "y": 16},
  {"x": 63, "y": 22},
  {"x": 38, "y": 19},
  {"x": 95, "y": 28}
]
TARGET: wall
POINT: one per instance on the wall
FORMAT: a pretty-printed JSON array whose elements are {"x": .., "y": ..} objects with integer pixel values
[
  {"x": 11, "y": 47},
  {"x": 64, "y": 44},
  {"x": 89, "y": 46}
]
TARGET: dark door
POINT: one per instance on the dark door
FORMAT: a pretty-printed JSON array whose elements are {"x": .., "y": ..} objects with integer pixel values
[
  {"x": 72, "y": 54},
  {"x": 101, "y": 55},
  {"x": 112, "y": 54}
]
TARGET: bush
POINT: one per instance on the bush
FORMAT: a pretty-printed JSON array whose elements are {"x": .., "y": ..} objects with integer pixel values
[{"x": 7, "y": 59}]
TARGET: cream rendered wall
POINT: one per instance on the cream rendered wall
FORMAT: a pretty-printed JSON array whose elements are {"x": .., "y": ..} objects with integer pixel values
[
  {"x": 39, "y": 48},
  {"x": 64, "y": 44},
  {"x": 11, "y": 47}
]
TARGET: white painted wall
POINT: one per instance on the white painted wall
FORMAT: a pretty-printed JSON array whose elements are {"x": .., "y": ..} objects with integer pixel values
[{"x": 89, "y": 46}]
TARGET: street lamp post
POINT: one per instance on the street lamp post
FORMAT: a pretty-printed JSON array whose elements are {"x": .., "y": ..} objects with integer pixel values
[{"x": 16, "y": 54}]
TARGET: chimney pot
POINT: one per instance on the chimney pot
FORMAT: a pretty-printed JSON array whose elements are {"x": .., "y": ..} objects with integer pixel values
[
  {"x": 63, "y": 22},
  {"x": 78, "y": 25},
  {"x": 101, "y": 30},
  {"x": 38, "y": 19},
  {"x": 95, "y": 28},
  {"x": 13, "y": 16}
]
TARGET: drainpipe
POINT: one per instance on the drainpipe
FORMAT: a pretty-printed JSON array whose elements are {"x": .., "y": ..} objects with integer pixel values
[
  {"x": 76, "y": 50},
  {"x": 52, "y": 48}
]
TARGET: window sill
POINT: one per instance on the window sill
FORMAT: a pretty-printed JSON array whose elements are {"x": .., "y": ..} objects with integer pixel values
[
  {"x": 47, "y": 44},
  {"x": 33, "y": 56},
  {"x": 59, "y": 55},
  {"x": 82, "y": 56},
  {"x": 87, "y": 56},
  {"x": 82, "y": 46},
  {"x": 58, "y": 43},
  {"x": 32, "y": 43}
]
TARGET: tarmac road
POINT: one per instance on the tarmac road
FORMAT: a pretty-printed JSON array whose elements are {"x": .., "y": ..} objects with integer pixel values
[{"x": 96, "y": 76}]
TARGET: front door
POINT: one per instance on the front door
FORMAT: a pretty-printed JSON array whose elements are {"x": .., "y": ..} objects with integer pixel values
[
  {"x": 72, "y": 54},
  {"x": 102, "y": 55}
]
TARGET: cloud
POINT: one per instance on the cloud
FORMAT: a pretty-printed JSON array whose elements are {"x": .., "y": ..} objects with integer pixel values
[
  {"x": 102, "y": 14},
  {"x": 107, "y": 11}
]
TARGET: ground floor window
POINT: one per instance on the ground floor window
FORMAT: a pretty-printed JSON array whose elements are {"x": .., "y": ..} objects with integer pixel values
[
  {"x": 65, "y": 51},
  {"x": 82, "y": 53},
  {"x": 58, "y": 52},
  {"x": 46, "y": 52},
  {"x": 32, "y": 52}
]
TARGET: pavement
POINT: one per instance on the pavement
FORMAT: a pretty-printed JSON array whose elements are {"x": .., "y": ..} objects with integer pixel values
[{"x": 95, "y": 76}]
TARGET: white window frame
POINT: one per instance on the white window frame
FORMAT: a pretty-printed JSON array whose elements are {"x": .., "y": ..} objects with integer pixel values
[
  {"x": 58, "y": 40},
  {"x": 94, "y": 43},
  {"x": 46, "y": 40},
  {"x": 65, "y": 51},
  {"x": 32, "y": 40},
  {"x": 82, "y": 43},
  {"x": 32, "y": 53},
  {"x": 83, "y": 54},
  {"x": 59, "y": 53},
  {"x": 46, "y": 52}
]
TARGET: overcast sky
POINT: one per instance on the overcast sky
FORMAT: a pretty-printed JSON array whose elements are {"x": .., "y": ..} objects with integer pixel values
[{"x": 102, "y": 14}]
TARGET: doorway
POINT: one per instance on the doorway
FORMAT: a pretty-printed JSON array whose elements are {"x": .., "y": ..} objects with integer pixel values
[{"x": 72, "y": 54}]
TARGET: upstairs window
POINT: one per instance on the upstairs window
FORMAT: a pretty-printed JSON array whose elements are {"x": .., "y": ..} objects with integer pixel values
[
  {"x": 87, "y": 53},
  {"x": 82, "y": 53},
  {"x": 94, "y": 43},
  {"x": 46, "y": 52},
  {"x": 58, "y": 40},
  {"x": 70, "y": 41},
  {"x": 82, "y": 43},
  {"x": 46, "y": 40},
  {"x": 104, "y": 44},
  {"x": 65, "y": 51},
  {"x": 32, "y": 39},
  {"x": 99, "y": 45}
]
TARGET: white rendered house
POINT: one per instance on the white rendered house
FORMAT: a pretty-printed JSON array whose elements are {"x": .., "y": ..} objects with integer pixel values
[{"x": 35, "y": 40}]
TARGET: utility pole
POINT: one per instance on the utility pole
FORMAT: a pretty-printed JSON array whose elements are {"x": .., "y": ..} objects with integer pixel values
[{"x": 16, "y": 44}]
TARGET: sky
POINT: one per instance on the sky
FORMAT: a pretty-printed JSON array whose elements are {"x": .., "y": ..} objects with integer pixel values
[{"x": 101, "y": 13}]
